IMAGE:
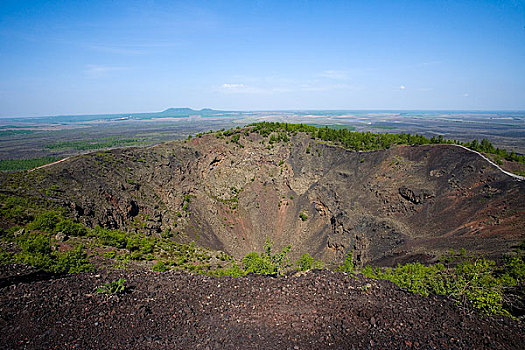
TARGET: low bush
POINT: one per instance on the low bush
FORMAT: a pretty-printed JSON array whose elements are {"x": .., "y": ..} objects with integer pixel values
[
  {"x": 348, "y": 264},
  {"x": 45, "y": 221},
  {"x": 17, "y": 209},
  {"x": 73, "y": 261},
  {"x": 306, "y": 262},
  {"x": 474, "y": 280},
  {"x": 233, "y": 271},
  {"x": 5, "y": 257},
  {"x": 266, "y": 263},
  {"x": 70, "y": 228},
  {"x": 53, "y": 222},
  {"x": 160, "y": 267},
  {"x": 113, "y": 288},
  {"x": 36, "y": 251},
  {"x": 303, "y": 216}
]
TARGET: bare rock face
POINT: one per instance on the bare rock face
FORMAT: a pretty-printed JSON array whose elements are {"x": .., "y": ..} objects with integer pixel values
[
  {"x": 386, "y": 206},
  {"x": 416, "y": 196}
]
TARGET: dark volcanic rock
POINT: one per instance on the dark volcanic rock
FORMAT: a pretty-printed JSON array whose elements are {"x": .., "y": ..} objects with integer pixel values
[
  {"x": 415, "y": 196},
  {"x": 314, "y": 310}
]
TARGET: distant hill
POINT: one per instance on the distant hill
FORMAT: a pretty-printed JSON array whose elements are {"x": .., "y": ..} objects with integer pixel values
[{"x": 187, "y": 112}]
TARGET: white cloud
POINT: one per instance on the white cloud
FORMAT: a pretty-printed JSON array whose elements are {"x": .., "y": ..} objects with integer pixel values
[
  {"x": 269, "y": 85},
  {"x": 465, "y": 95},
  {"x": 402, "y": 87},
  {"x": 236, "y": 88},
  {"x": 232, "y": 86}
]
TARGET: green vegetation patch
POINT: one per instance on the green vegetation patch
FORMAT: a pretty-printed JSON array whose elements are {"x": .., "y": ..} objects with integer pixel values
[
  {"x": 267, "y": 263},
  {"x": 36, "y": 250},
  {"x": 384, "y": 127},
  {"x": 6, "y": 133},
  {"x": 25, "y": 164},
  {"x": 113, "y": 288},
  {"x": 334, "y": 126},
  {"x": 303, "y": 216},
  {"x": 475, "y": 280},
  {"x": 106, "y": 142},
  {"x": 17, "y": 209},
  {"x": 306, "y": 262}
]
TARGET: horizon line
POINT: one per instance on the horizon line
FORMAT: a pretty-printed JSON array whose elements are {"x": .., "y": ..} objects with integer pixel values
[{"x": 271, "y": 110}]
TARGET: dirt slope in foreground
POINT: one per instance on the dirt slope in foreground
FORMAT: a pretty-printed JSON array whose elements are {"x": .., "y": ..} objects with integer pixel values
[{"x": 316, "y": 310}]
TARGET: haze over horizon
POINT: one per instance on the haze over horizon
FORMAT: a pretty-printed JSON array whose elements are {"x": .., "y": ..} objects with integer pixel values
[{"x": 99, "y": 57}]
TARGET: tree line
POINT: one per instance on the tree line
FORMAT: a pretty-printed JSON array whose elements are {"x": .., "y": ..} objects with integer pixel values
[{"x": 369, "y": 141}]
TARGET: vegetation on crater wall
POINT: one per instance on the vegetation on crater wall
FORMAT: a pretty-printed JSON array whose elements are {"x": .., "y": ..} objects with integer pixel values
[
  {"x": 267, "y": 263},
  {"x": 368, "y": 141}
]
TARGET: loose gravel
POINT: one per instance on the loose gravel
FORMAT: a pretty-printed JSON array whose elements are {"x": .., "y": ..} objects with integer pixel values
[{"x": 174, "y": 310}]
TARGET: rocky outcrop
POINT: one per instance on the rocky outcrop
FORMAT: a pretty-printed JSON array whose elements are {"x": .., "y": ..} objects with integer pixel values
[{"x": 416, "y": 196}]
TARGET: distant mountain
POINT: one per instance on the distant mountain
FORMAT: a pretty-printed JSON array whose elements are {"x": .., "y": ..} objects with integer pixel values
[{"x": 187, "y": 111}]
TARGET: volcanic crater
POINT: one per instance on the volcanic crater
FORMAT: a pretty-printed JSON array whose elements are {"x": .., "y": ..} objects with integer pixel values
[{"x": 402, "y": 204}]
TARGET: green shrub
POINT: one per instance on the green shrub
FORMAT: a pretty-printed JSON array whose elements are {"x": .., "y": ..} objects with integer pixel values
[
  {"x": 17, "y": 209},
  {"x": 33, "y": 242},
  {"x": 73, "y": 261},
  {"x": 306, "y": 262},
  {"x": 303, "y": 215},
  {"x": 70, "y": 228},
  {"x": 513, "y": 272},
  {"x": 348, "y": 264},
  {"x": 113, "y": 238},
  {"x": 160, "y": 267},
  {"x": 5, "y": 257},
  {"x": 473, "y": 280},
  {"x": 235, "y": 138},
  {"x": 113, "y": 288},
  {"x": 36, "y": 251},
  {"x": 45, "y": 221},
  {"x": 266, "y": 263},
  {"x": 252, "y": 262},
  {"x": 234, "y": 271},
  {"x": 146, "y": 246},
  {"x": 110, "y": 255}
]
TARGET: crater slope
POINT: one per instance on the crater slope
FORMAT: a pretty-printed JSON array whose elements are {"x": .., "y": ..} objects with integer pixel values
[{"x": 230, "y": 193}]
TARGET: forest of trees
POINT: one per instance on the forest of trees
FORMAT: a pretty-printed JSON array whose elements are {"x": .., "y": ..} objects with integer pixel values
[{"x": 368, "y": 141}]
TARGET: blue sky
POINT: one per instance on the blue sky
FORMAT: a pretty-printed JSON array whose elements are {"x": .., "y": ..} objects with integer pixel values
[{"x": 81, "y": 57}]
